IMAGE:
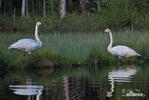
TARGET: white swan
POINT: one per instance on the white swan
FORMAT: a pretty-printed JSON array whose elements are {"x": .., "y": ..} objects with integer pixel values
[
  {"x": 120, "y": 50},
  {"x": 27, "y": 45}
]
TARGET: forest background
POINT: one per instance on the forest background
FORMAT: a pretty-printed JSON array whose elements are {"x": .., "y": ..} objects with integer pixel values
[{"x": 74, "y": 15}]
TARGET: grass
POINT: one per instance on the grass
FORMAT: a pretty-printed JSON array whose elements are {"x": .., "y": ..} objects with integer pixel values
[{"x": 70, "y": 49}]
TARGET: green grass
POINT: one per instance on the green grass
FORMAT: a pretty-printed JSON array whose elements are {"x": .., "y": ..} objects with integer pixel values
[{"x": 70, "y": 49}]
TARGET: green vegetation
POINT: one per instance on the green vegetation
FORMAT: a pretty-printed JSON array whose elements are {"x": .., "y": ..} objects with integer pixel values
[
  {"x": 73, "y": 23},
  {"x": 77, "y": 38},
  {"x": 72, "y": 49},
  {"x": 115, "y": 14}
]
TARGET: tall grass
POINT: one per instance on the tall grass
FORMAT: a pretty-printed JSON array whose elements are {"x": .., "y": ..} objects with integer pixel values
[{"x": 70, "y": 49}]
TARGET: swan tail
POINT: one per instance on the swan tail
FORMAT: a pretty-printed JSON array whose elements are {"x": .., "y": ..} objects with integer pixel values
[{"x": 10, "y": 47}]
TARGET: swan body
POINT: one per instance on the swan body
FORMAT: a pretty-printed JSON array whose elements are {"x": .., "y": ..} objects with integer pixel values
[
  {"x": 27, "y": 45},
  {"x": 120, "y": 50}
]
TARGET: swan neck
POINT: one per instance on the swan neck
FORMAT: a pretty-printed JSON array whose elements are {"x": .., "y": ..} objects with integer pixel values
[
  {"x": 112, "y": 85},
  {"x": 111, "y": 41},
  {"x": 36, "y": 34},
  {"x": 38, "y": 95}
]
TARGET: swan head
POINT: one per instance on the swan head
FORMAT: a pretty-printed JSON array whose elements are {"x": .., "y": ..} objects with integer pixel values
[
  {"x": 107, "y": 30},
  {"x": 38, "y": 23}
]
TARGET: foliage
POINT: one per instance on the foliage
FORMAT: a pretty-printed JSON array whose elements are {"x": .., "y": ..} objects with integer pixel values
[{"x": 114, "y": 14}]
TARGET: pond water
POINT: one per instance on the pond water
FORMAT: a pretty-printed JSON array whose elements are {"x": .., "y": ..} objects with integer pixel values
[{"x": 116, "y": 82}]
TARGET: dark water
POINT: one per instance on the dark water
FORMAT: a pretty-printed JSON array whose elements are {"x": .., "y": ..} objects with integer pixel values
[{"x": 115, "y": 82}]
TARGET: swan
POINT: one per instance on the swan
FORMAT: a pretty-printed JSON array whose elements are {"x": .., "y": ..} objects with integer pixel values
[
  {"x": 120, "y": 50},
  {"x": 27, "y": 45}
]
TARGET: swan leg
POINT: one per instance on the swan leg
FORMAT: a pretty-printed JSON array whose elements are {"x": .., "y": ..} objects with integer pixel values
[{"x": 24, "y": 53}]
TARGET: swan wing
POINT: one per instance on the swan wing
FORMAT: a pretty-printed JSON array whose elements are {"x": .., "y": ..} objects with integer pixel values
[
  {"x": 121, "y": 50},
  {"x": 24, "y": 44}
]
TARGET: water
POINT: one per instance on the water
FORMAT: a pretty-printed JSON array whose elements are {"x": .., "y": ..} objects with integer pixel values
[{"x": 114, "y": 82}]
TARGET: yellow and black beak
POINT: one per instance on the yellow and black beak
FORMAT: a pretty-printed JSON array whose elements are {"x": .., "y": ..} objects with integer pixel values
[
  {"x": 105, "y": 30},
  {"x": 39, "y": 23}
]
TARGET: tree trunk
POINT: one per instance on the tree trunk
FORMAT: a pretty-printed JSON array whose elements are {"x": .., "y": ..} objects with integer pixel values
[
  {"x": 33, "y": 6},
  {"x": 83, "y": 3},
  {"x": 70, "y": 2},
  {"x": 132, "y": 22},
  {"x": 98, "y": 4},
  {"x": 63, "y": 8},
  {"x": 39, "y": 6},
  {"x": 11, "y": 7},
  {"x": 23, "y": 8},
  {"x": 36, "y": 6},
  {"x": 14, "y": 17},
  {"x": 44, "y": 8},
  {"x": 0, "y": 3},
  {"x": 26, "y": 7},
  {"x": 4, "y": 7},
  {"x": 52, "y": 7}
]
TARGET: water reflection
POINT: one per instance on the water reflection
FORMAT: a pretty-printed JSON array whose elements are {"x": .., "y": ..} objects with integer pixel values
[
  {"x": 83, "y": 83},
  {"x": 80, "y": 88},
  {"x": 66, "y": 87},
  {"x": 27, "y": 90},
  {"x": 120, "y": 75}
]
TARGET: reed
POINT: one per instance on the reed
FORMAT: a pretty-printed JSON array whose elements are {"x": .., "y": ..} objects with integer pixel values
[{"x": 71, "y": 49}]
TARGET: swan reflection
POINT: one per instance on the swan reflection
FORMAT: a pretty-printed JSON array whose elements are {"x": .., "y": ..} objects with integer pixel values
[
  {"x": 120, "y": 76},
  {"x": 27, "y": 90}
]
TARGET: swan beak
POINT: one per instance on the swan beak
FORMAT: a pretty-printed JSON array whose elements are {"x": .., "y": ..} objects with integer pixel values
[
  {"x": 105, "y": 30},
  {"x": 39, "y": 23}
]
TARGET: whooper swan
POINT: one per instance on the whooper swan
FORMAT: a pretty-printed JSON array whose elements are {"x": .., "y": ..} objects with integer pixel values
[
  {"x": 120, "y": 50},
  {"x": 28, "y": 45}
]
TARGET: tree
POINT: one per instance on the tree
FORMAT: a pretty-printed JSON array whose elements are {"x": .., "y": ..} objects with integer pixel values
[
  {"x": 52, "y": 7},
  {"x": 23, "y": 11},
  {"x": 83, "y": 3},
  {"x": 26, "y": 7},
  {"x": 98, "y": 4},
  {"x": 63, "y": 8},
  {"x": 0, "y": 3},
  {"x": 44, "y": 8}
]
